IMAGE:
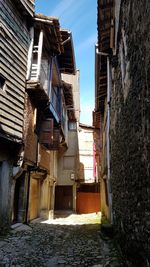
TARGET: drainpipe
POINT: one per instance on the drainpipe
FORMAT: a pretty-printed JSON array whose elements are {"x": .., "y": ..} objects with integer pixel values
[
  {"x": 108, "y": 136},
  {"x": 94, "y": 162},
  {"x": 108, "y": 130}
]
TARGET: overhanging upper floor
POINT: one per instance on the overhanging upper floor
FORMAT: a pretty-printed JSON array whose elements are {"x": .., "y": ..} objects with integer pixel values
[
  {"x": 67, "y": 58},
  {"x": 105, "y": 26}
]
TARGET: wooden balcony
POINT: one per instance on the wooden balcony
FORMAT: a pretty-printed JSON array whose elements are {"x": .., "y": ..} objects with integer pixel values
[
  {"x": 42, "y": 71},
  {"x": 38, "y": 86},
  {"x": 49, "y": 135}
]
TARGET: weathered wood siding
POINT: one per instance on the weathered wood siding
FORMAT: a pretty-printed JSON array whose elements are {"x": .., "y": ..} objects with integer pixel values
[
  {"x": 29, "y": 6},
  {"x": 14, "y": 43}
]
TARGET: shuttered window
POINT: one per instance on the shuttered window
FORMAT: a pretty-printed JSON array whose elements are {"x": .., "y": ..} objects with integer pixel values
[{"x": 49, "y": 136}]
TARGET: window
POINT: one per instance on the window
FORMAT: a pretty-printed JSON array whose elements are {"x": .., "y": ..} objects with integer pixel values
[
  {"x": 69, "y": 162},
  {"x": 72, "y": 126},
  {"x": 2, "y": 83}
]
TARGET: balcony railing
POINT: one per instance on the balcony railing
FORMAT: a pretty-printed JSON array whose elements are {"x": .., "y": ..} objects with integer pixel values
[
  {"x": 44, "y": 76},
  {"x": 44, "y": 72}
]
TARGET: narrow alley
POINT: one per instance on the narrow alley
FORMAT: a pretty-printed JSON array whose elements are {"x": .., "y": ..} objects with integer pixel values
[
  {"x": 74, "y": 133},
  {"x": 71, "y": 241}
]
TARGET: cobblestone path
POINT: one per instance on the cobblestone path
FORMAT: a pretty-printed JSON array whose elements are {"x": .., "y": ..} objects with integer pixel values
[{"x": 50, "y": 245}]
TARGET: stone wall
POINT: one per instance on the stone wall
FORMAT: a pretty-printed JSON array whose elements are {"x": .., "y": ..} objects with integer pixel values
[
  {"x": 9, "y": 155},
  {"x": 130, "y": 135},
  {"x": 30, "y": 138},
  {"x": 5, "y": 195}
]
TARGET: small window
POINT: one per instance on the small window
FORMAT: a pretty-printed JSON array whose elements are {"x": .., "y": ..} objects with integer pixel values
[
  {"x": 2, "y": 83},
  {"x": 72, "y": 126}
]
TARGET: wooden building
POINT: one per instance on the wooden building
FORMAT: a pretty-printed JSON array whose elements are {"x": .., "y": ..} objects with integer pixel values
[
  {"x": 47, "y": 113},
  {"x": 43, "y": 114},
  {"x": 36, "y": 104},
  {"x": 16, "y": 21}
]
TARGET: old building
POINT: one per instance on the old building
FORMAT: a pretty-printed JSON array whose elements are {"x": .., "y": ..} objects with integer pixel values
[
  {"x": 65, "y": 196},
  {"x": 43, "y": 115},
  {"x": 88, "y": 186},
  {"x": 36, "y": 107},
  {"x": 16, "y": 21},
  {"x": 123, "y": 62},
  {"x": 51, "y": 101}
]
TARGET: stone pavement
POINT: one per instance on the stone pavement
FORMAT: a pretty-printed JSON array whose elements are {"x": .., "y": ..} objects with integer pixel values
[{"x": 58, "y": 243}]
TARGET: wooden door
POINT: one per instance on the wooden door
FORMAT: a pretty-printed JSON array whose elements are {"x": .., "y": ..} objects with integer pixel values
[
  {"x": 19, "y": 204},
  {"x": 34, "y": 198},
  {"x": 63, "y": 198},
  {"x": 88, "y": 202}
]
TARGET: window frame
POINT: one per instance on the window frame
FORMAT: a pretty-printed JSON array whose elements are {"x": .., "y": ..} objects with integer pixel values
[{"x": 72, "y": 123}]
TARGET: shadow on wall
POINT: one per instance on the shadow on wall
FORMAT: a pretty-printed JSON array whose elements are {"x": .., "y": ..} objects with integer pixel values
[
  {"x": 81, "y": 172},
  {"x": 9, "y": 149}
]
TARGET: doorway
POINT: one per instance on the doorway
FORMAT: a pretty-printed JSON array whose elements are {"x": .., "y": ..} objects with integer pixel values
[
  {"x": 64, "y": 198},
  {"x": 19, "y": 200}
]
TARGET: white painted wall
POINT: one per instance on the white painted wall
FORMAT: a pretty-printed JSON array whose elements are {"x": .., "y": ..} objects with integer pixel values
[
  {"x": 75, "y": 81},
  {"x": 86, "y": 154}
]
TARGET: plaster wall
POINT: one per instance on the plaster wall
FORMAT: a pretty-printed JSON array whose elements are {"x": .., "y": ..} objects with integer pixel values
[
  {"x": 65, "y": 169},
  {"x": 74, "y": 80},
  {"x": 86, "y": 141},
  {"x": 30, "y": 138}
]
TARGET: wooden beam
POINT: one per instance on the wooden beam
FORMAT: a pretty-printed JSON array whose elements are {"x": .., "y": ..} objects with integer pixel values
[
  {"x": 30, "y": 53},
  {"x": 40, "y": 46}
]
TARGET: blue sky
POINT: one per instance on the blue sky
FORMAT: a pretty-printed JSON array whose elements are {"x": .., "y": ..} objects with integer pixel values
[{"x": 78, "y": 16}]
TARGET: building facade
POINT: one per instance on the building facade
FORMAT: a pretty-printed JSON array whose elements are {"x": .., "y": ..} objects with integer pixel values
[
  {"x": 65, "y": 195},
  {"x": 36, "y": 106},
  {"x": 16, "y": 20},
  {"x": 88, "y": 186},
  {"x": 123, "y": 44},
  {"x": 43, "y": 109}
]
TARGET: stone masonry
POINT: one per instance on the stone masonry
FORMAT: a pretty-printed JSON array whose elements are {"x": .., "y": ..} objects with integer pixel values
[{"x": 130, "y": 135}]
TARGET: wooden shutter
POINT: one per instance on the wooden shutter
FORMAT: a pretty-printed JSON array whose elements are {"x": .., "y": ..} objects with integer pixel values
[
  {"x": 46, "y": 132},
  {"x": 49, "y": 136}
]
